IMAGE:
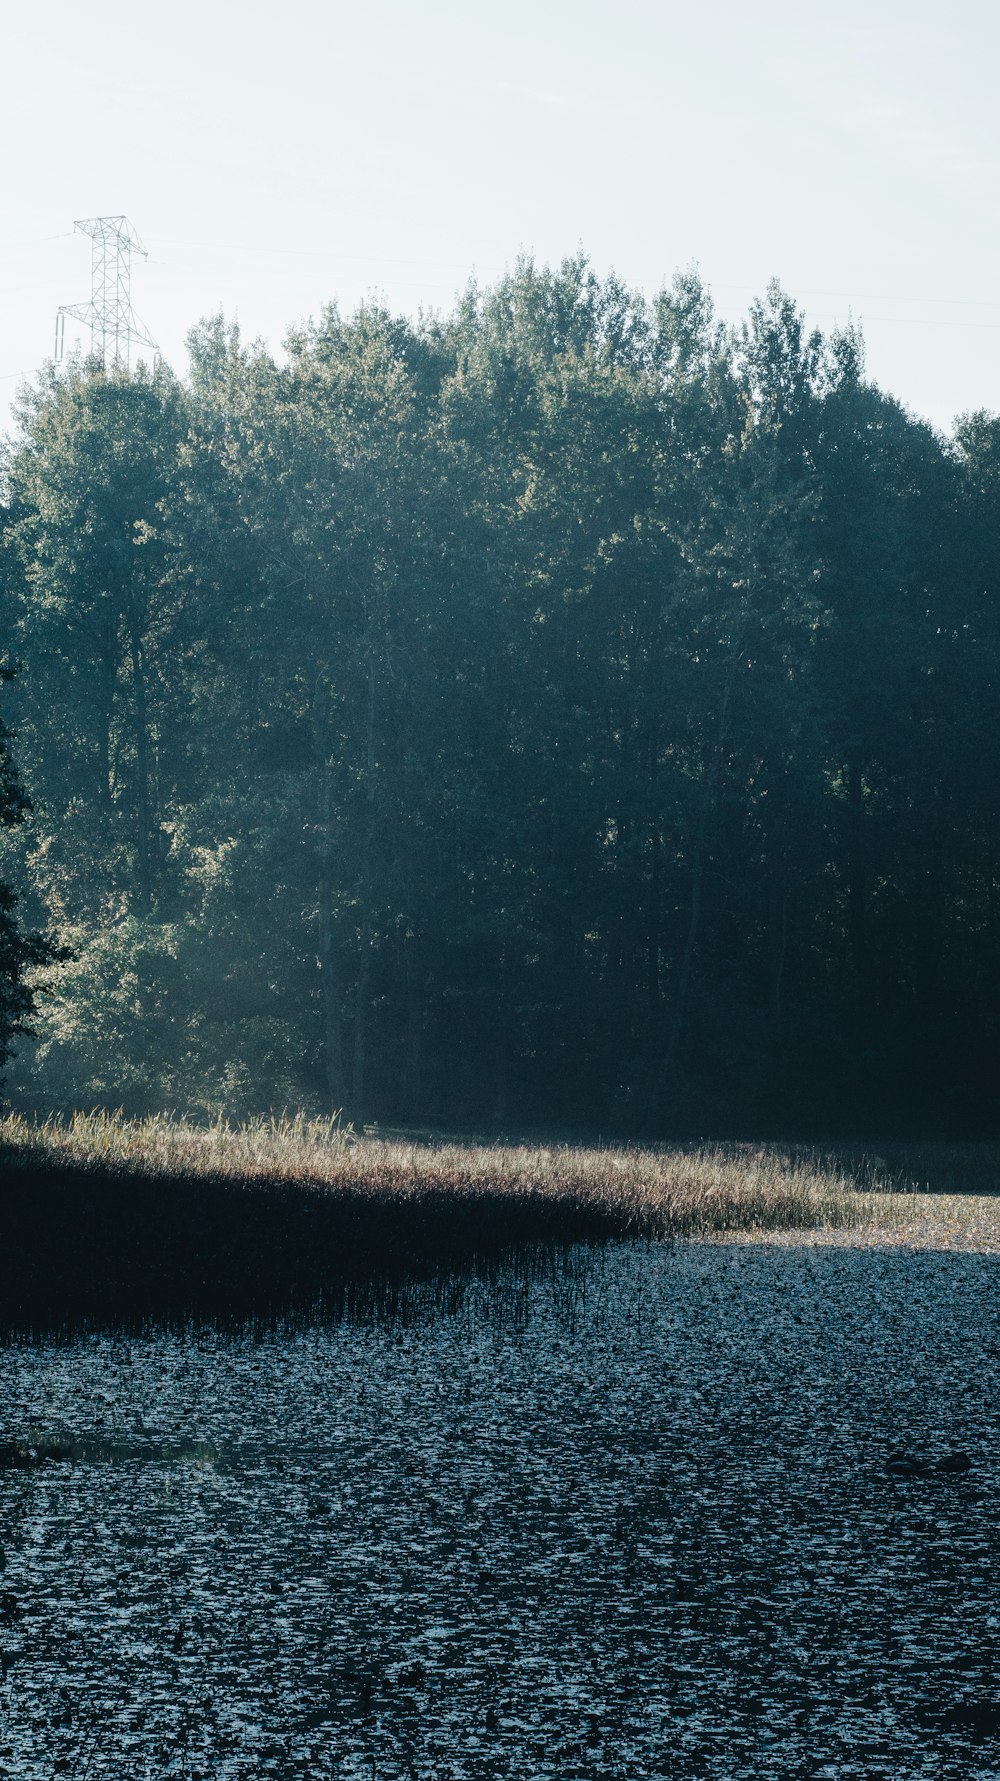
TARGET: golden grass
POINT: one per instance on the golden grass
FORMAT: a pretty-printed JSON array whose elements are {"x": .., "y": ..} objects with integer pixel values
[{"x": 650, "y": 1191}]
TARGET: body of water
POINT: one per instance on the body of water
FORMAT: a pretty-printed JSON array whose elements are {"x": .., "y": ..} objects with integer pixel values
[{"x": 632, "y": 1520}]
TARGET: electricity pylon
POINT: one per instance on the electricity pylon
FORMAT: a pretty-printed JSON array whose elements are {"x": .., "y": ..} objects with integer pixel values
[{"x": 114, "y": 325}]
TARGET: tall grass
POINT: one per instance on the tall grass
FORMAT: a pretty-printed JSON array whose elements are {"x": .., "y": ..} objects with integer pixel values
[
  {"x": 109, "y": 1217},
  {"x": 650, "y": 1190}
]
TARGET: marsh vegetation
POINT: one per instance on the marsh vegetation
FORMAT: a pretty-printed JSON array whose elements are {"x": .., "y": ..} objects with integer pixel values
[{"x": 113, "y": 1219}]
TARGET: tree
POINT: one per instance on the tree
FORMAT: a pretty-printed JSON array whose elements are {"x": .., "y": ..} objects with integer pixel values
[
  {"x": 95, "y": 617},
  {"x": 309, "y": 477},
  {"x": 572, "y": 710},
  {"x": 20, "y": 953}
]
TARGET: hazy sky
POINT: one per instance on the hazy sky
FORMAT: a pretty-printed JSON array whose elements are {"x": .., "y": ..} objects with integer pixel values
[{"x": 276, "y": 157}]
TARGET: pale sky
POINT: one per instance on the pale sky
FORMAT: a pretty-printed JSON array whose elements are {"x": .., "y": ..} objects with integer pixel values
[{"x": 276, "y": 157}]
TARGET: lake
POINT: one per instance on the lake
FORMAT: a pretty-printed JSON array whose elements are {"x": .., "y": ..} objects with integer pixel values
[{"x": 627, "y": 1517}]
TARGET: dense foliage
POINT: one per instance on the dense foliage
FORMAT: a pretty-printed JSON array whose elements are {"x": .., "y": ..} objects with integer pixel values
[
  {"x": 570, "y": 711},
  {"x": 20, "y": 953}
]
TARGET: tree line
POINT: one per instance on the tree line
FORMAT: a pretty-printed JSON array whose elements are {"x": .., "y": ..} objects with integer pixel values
[{"x": 569, "y": 712}]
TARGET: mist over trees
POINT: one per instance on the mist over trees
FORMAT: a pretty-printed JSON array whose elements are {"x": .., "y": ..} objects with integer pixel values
[{"x": 569, "y": 712}]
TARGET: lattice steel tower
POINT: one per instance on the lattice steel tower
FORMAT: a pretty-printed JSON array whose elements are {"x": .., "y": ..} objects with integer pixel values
[{"x": 114, "y": 326}]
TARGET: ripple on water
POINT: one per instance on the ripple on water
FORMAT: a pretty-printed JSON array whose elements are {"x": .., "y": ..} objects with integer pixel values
[{"x": 632, "y": 1521}]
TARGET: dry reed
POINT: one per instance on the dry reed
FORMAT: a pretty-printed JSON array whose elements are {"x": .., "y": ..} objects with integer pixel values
[
  {"x": 648, "y": 1190},
  {"x": 110, "y": 1216}
]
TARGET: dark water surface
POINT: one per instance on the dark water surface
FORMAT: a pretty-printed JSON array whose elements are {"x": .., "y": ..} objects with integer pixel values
[{"x": 632, "y": 1523}]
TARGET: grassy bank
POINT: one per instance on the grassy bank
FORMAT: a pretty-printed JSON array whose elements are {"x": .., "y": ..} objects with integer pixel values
[{"x": 133, "y": 1220}]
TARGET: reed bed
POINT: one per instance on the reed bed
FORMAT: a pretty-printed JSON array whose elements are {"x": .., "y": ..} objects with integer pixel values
[
  {"x": 143, "y": 1219},
  {"x": 650, "y": 1191}
]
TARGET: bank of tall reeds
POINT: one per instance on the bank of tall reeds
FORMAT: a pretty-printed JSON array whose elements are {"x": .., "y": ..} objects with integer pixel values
[{"x": 105, "y": 1217}]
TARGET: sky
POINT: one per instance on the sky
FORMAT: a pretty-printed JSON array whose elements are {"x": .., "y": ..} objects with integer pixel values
[{"x": 276, "y": 158}]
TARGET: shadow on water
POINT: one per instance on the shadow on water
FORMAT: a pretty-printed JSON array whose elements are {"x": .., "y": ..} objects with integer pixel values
[{"x": 91, "y": 1247}]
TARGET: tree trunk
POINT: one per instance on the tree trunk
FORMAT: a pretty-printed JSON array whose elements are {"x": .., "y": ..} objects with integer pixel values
[
  {"x": 781, "y": 951},
  {"x": 143, "y": 865},
  {"x": 857, "y": 888},
  {"x": 329, "y": 972},
  {"x": 501, "y": 1077},
  {"x": 686, "y": 967},
  {"x": 359, "y": 1059},
  {"x": 413, "y": 1051},
  {"x": 107, "y": 683},
  {"x": 367, "y": 917}
]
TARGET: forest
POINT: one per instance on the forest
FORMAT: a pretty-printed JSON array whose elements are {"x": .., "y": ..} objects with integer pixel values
[{"x": 570, "y": 713}]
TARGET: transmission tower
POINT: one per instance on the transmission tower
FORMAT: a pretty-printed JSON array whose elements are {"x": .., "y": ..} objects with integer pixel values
[{"x": 114, "y": 326}]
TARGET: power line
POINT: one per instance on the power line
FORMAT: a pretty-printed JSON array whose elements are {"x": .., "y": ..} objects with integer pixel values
[
  {"x": 312, "y": 253},
  {"x": 306, "y": 253},
  {"x": 498, "y": 266},
  {"x": 875, "y": 296},
  {"x": 18, "y": 247}
]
